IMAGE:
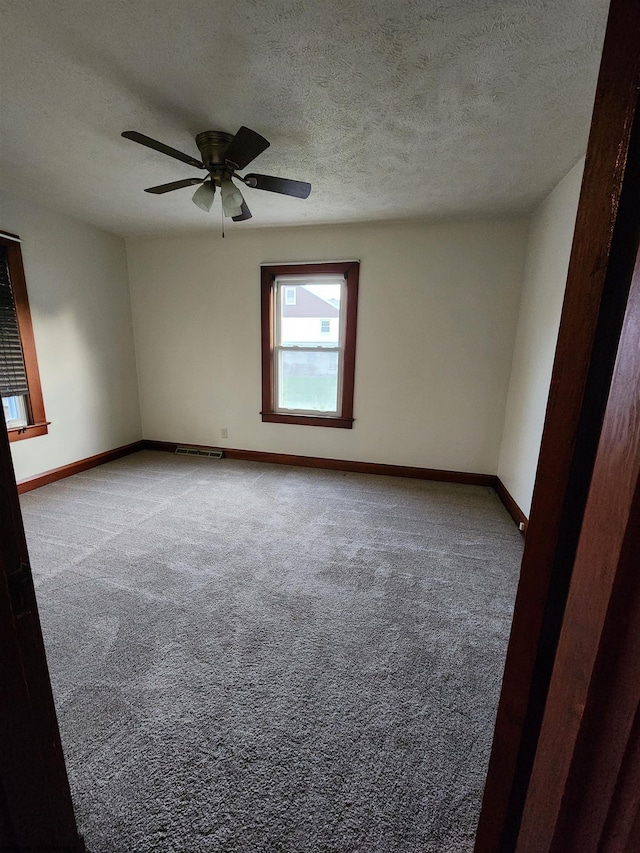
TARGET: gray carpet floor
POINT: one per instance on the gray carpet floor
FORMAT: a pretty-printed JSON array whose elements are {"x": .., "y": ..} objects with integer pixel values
[{"x": 251, "y": 657}]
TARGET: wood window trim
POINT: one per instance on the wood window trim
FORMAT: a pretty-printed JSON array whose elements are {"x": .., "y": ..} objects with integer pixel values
[
  {"x": 268, "y": 275},
  {"x": 38, "y": 422}
]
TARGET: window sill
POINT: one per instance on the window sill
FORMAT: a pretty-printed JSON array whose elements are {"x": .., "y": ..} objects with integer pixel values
[
  {"x": 308, "y": 420},
  {"x": 20, "y": 433}
]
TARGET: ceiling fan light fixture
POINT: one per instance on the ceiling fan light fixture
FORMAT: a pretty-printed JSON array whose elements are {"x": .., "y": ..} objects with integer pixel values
[
  {"x": 222, "y": 154},
  {"x": 204, "y": 195},
  {"x": 231, "y": 198}
]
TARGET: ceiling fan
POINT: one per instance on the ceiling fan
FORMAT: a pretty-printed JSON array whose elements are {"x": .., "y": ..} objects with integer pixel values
[{"x": 222, "y": 155}]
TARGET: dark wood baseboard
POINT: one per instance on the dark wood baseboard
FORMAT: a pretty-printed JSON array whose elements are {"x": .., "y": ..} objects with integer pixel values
[
  {"x": 462, "y": 477},
  {"x": 75, "y": 467},
  {"x": 339, "y": 464},
  {"x": 511, "y": 506}
]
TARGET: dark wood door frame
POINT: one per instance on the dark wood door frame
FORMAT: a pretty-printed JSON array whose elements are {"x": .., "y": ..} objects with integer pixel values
[
  {"x": 590, "y": 727},
  {"x": 599, "y": 278},
  {"x": 36, "y": 811}
]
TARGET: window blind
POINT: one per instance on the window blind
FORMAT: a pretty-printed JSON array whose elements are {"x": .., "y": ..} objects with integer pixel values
[{"x": 13, "y": 376}]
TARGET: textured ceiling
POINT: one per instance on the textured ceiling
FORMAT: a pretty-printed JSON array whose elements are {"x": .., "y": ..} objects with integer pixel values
[{"x": 390, "y": 108}]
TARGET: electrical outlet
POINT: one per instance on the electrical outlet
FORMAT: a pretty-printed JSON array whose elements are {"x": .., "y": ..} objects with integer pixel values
[{"x": 224, "y": 433}]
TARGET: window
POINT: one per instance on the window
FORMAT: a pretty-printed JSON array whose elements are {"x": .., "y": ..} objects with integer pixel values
[
  {"x": 15, "y": 411},
  {"x": 309, "y": 343},
  {"x": 20, "y": 389}
]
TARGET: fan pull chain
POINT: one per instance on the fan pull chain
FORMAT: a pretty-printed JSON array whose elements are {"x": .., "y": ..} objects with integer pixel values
[{"x": 222, "y": 214}]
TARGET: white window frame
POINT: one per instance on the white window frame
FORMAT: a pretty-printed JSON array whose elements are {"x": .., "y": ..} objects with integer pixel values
[{"x": 283, "y": 283}]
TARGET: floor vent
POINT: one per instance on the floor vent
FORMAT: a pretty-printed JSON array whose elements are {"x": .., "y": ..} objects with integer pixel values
[{"x": 199, "y": 451}]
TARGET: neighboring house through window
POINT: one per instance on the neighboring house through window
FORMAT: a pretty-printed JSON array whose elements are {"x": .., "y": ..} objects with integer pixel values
[
  {"x": 20, "y": 389},
  {"x": 308, "y": 343}
]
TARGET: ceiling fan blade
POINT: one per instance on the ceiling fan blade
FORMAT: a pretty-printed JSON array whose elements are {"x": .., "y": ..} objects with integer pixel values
[
  {"x": 246, "y": 213},
  {"x": 245, "y": 147},
  {"x": 299, "y": 189},
  {"x": 174, "y": 185},
  {"x": 162, "y": 148}
]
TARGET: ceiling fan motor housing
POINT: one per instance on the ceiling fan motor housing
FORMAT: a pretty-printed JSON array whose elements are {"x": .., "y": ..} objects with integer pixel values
[{"x": 212, "y": 145}]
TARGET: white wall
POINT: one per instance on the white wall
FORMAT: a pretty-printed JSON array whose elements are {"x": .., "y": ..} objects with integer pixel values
[
  {"x": 437, "y": 316},
  {"x": 549, "y": 247},
  {"x": 78, "y": 293}
]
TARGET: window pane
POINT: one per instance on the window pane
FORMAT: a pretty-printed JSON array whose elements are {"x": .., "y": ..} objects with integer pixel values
[
  {"x": 312, "y": 317},
  {"x": 308, "y": 381},
  {"x": 15, "y": 411}
]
